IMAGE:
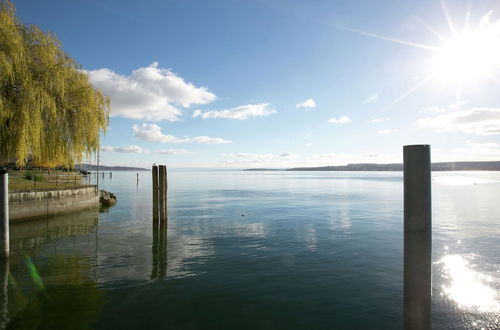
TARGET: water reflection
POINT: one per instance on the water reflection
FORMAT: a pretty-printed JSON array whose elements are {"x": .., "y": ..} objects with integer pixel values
[
  {"x": 466, "y": 287},
  {"x": 159, "y": 251},
  {"x": 26, "y": 236},
  {"x": 67, "y": 297},
  {"x": 4, "y": 302}
]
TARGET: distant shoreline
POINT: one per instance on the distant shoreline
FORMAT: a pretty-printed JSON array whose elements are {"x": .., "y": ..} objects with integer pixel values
[
  {"x": 92, "y": 167},
  {"x": 441, "y": 166}
]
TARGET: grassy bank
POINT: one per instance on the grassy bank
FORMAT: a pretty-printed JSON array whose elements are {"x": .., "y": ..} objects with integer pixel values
[{"x": 34, "y": 181}]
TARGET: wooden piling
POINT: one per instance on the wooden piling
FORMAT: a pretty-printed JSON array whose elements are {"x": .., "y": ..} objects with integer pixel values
[
  {"x": 155, "y": 196},
  {"x": 165, "y": 192},
  {"x": 417, "y": 237},
  {"x": 161, "y": 196},
  {"x": 154, "y": 253},
  {"x": 162, "y": 250}
]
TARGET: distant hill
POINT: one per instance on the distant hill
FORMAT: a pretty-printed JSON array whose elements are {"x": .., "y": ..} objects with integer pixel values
[
  {"x": 92, "y": 167},
  {"x": 445, "y": 166}
]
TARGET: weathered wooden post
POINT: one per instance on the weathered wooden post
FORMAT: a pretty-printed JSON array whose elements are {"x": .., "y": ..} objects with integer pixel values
[
  {"x": 165, "y": 192},
  {"x": 154, "y": 252},
  {"x": 417, "y": 237},
  {"x": 4, "y": 213},
  {"x": 155, "y": 195},
  {"x": 161, "y": 196},
  {"x": 162, "y": 255}
]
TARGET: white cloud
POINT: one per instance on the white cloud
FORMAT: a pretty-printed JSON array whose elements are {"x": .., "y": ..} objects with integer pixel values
[
  {"x": 384, "y": 132},
  {"x": 125, "y": 149},
  {"x": 457, "y": 105},
  {"x": 377, "y": 120},
  {"x": 451, "y": 107},
  {"x": 288, "y": 155},
  {"x": 480, "y": 121},
  {"x": 172, "y": 151},
  {"x": 341, "y": 120},
  {"x": 470, "y": 151},
  {"x": 252, "y": 156},
  {"x": 208, "y": 140},
  {"x": 437, "y": 109},
  {"x": 343, "y": 158},
  {"x": 482, "y": 145},
  {"x": 371, "y": 99},
  {"x": 242, "y": 157},
  {"x": 149, "y": 93},
  {"x": 241, "y": 112},
  {"x": 309, "y": 144},
  {"x": 153, "y": 133},
  {"x": 308, "y": 104}
]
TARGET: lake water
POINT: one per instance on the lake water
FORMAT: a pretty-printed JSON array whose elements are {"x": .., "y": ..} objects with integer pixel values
[{"x": 256, "y": 250}]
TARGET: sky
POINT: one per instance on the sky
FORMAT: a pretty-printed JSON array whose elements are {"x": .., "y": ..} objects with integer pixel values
[{"x": 279, "y": 84}]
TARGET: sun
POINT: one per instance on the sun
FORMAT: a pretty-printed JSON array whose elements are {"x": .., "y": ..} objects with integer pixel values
[{"x": 470, "y": 55}]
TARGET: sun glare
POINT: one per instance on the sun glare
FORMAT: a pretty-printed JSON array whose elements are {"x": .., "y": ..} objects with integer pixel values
[{"x": 469, "y": 55}]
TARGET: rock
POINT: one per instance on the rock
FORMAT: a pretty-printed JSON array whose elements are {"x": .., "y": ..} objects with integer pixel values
[{"x": 107, "y": 198}]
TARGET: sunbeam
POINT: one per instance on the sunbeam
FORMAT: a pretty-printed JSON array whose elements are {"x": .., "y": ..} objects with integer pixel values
[
  {"x": 408, "y": 92},
  {"x": 390, "y": 39},
  {"x": 448, "y": 18},
  {"x": 467, "y": 56}
]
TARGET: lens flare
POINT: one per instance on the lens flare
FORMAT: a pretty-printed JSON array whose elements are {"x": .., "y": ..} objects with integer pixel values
[{"x": 470, "y": 55}]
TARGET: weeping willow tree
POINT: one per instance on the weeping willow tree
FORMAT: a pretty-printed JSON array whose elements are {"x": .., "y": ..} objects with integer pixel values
[{"x": 49, "y": 111}]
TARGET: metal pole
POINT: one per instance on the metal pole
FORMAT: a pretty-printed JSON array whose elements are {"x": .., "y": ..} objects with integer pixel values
[
  {"x": 155, "y": 195},
  {"x": 4, "y": 213},
  {"x": 417, "y": 237},
  {"x": 97, "y": 174}
]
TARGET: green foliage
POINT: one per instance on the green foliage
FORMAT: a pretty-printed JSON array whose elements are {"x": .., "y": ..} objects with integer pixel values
[
  {"x": 49, "y": 111},
  {"x": 33, "y": 177}
]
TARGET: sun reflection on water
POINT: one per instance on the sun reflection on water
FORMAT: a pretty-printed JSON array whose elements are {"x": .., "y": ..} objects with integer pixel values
[{"x": 467, "y": 288}]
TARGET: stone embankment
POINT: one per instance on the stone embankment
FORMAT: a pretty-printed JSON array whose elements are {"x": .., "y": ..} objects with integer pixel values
[{"x": 31, "y": 205}]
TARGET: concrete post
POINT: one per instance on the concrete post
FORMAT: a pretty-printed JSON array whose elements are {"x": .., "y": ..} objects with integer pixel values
[
  {"x": 417, "y": 237},
  {"x": 4, "y": 213},
  {"x": 161, "y": 196},
  {"x": 155, "y": 195}
]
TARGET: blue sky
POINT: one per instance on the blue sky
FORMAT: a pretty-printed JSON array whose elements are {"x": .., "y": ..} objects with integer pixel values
[{"x": 272, "y": 83}]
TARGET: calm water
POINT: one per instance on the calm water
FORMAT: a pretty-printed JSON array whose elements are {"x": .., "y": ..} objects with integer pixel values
[{"x": 256, "y": 250}]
